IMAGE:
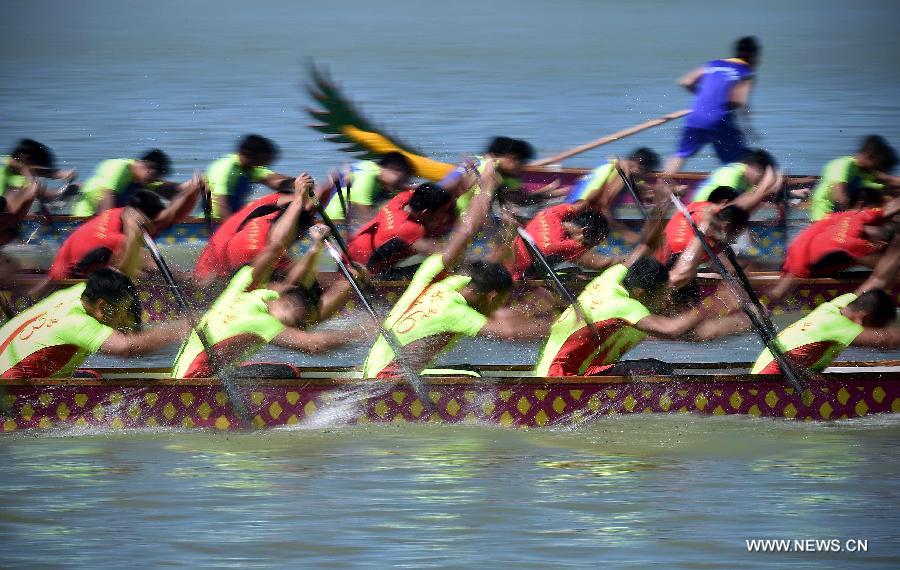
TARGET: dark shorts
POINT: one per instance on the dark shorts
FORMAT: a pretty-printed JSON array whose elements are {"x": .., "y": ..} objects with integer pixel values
[{"x": 726, "y": 138}]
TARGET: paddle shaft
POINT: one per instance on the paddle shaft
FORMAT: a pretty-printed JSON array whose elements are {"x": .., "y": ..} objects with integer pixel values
[
  {"x": 634, "y": 194},
  {"x": 611, "y": 138},
  {"x": 389, "y": 336},
  {"x": 742, "y": 277},
  {"x": 756, "y": 321},
  {"x": 231, "y": 389},
  {"x": 326, "y": 219}
]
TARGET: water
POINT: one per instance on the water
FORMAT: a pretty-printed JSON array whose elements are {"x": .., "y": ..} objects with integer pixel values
[{"x": 98, "y": 80}]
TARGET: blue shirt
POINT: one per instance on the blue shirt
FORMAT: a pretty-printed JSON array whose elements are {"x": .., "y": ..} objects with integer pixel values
[{"x": 712, "y": 103}]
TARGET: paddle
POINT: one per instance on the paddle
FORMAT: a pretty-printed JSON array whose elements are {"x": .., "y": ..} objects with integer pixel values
[
  {"x": 611, "y": 138},
  {"x": 389, "y": 336},
  {"x": 634, "y": 194},
  {"x": 228, "y": 384},
  {"x": 756, "y": 321},
  {"x": 206, "y": 206}
]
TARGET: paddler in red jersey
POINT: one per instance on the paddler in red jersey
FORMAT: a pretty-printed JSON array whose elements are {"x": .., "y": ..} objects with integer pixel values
[
  {"x": 439, "y": 307},
  {"x": 55, "y": 336},
  {"x": 841, "y": 240},
  {"x": 241, "y": 237},
  {"x": 254, "y": 311},
  {"x": 721, "y": 219},
  {"x": 98, "y": 240}
]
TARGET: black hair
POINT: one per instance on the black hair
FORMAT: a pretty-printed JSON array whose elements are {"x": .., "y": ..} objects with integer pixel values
[
  {"x": 723, "y": 194},
  {"x": 488, "y": 277},
  {"x": 596, "y": 228},
  {"x": 646, "y": 273},
  {"x": 865, "y": 197},
  {"x": 647, "y": 158},
  {"x": 759, "y": 158},
  {"x": 522, "y": 150},
  {"x": 499, "y": 146},
  {"x": 33, "y": 153},
  {"x": 109, "y": 285},
  {"x": 430, "y": 197},
  {"x": 396, "y": 161},
  {"x": 746, "y": 47},
  {"x": 147, "y": 202},
  {"x": 879, "y": 307},
  {"x": 304, "y": 298},
  {"x": 735, "y": 215},
  {"x": 159, "y": 160},
  {"x": 883, "y": 154},
  {"x": 258, "y": 147}
]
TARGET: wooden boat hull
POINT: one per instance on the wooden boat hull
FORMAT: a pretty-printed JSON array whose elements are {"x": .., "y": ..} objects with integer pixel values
[{"x": 517, "y": 402}]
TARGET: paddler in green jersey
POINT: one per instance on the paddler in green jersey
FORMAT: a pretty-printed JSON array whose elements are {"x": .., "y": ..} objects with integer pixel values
[
  {"x": 843, "y": 177},
  {"x": 368, "y": 183},
  {"x": 20, "y": 172},
  {"x": 253, "y": 312},
  {"x": 437, "y": 308},
  {"x": 742, "y": 176},
  {"x": 231, "y": 178},
  {"x": 116, "y": 180}
]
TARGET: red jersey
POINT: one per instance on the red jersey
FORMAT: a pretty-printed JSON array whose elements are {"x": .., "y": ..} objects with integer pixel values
[
  {"x": 679, "y": 232},
  {"x": 100, "y": 236},
  {"x": 391, "y": 224},
  {"x": 247, "y": 243},
  {"x": 842, "y": 232},
  {"x": 210, "y": 261},
  {"x": 546, "y": 229}
]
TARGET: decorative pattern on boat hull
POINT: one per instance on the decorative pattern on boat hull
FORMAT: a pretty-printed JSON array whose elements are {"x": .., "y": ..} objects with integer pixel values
[{"x": 122, "y": 405}]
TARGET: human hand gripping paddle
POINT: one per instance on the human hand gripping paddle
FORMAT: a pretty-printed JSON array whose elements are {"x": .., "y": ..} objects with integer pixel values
[
  {"x": 759, "y": 322},
  {"x": 235, "y": 398}
]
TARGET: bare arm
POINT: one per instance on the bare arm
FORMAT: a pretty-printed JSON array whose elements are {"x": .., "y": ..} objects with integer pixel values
[
  {"x": 839, "y": 196},
  {"x": 740, "y": 93},
  {"x": 145, "y": 342},
  {"x": 283, "y": 232},
  {"x": 886, "y": 270},
  {"x": 770, "y": 184},
  {"x": 182, "y": 204},
  {"x": 507, "y": 328},
  {"x": 685, "y": 268},
  {"x": 303, "y": 272},
  {"x": 593, "y": 260},
  {"x": 887, "y": 337},
  {"x": 689, "y": 80},
  {"x": 670, "y": 327},
  {"x": 718, "y": 327},
  {"x": 128, "y": 258},
  {"x": 316, "y": 342},
  {"x": 474, "y": 218},
  {"x": 276, "y": 181}
]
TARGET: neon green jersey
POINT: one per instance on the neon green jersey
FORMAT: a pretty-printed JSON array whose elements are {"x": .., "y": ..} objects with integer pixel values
[
  {"x": 426, "y": 309},
  {"x": 114, "y": 175},
  {"x": 843, "y": 170},
  {"x": 462, "y": 203},
  {"x": 51, "y": 338},
  {"x": 572, "y": 347},
  {"x": 237, "y": 312},
  {"x": 226, "y": 178},
  {"x": 10, "y": 179},
  {"x": 588, "y": 186},
  {"x": 364, "y": 189},
  {"x": 816, "y": 339},
  {"x": 733, "y": 175}
]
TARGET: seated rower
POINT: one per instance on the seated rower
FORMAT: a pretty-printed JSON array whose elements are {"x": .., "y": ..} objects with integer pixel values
[
  {"x": 254, "y": 311},
  {"x": 440, "y": 307},
  {"x": 254, "y": 235},
  {"x": 721, "y": 223},
  {"x": 563, "y": 233},
  {"x": 623, "y": 304},
  {"x": 743, "y": 176},
  {"x": 840, "y": 241},
  {"x": 603, "y": 186},
  {"x": 53, "y": 337},
  {"x": 845, "y": 176},
  {"x": 96, "y": 242},
  {"x": 116, "y": 180},
  {"x": 230, "y": 178},
  {"x": 408, "y": 224},
  {"x": 368, "y": 184}
]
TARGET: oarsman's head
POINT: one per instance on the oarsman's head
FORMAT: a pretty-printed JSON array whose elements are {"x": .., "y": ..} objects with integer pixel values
[
  {"x": 748, "y": 49},
  {"x": 757, "y": 161},
  {"x": 489, "y": 288},
  {"x": 511, "y": 155},
  {"x": 257, "y": 150},
  {"x": 297, "y": 307},
  {"x": 148, "y": 203},
  {"x": 108, "y": 297},
  {"x": 645, "y": 161},
  {"x": 876, "y": 155},
  {"x": 729, "y": 222},
  {"x": 152, "y": 166},
  {"x": 723, "y": 195},
  {"x": 36, "y": 156},
  {"x": 589, "y": 228},
  {"x": 647, "y": 281},
  {"x": 872, "y": 309},
  {"x": 429, "y": 204},
  {"x": 395, "y": 170}
]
